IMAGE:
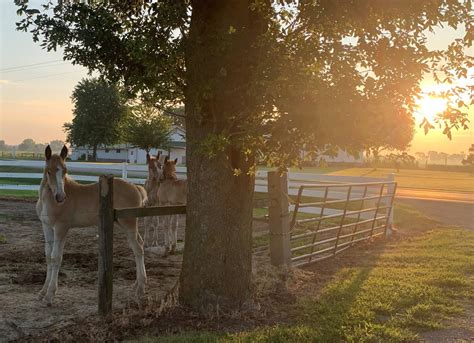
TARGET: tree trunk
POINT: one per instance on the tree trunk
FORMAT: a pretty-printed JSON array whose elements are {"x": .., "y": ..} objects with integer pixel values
[
  {"x": 217, "y": 259},
  {"x": 94, "y": 153}
]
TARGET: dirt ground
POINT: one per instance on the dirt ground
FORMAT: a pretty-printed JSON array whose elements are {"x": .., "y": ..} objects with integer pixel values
[{"x": 23, "y": 269}]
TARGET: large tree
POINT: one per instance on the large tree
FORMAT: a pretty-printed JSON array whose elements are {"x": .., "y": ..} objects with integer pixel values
[
  {"x": 256, "y": 77},
  {"x": 147, "y": 128},
  {"x": 98, "y": 114},
  {"x": 27, "y": 144}
]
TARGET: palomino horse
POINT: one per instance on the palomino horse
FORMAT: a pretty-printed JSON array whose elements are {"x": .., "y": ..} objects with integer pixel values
[
  {"x": 64, "y": 203},
  {"x": 152, "y": 184},
  {"x": 171, "y": 192}
]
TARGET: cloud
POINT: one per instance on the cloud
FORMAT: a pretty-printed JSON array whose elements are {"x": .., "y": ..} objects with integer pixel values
[{"x": 4, "y": 82}]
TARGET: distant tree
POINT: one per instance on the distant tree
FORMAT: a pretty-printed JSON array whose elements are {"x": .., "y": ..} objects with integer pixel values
[
  {"x": 98, "y": 114},
  {"x": 3, "y": 146},
  {"x": 28, "y": 144},
  {"x": 39, "y": 147},
  {"x": 56, "y": 145},
  {"x": 469, "y": 160},
  {"x": 387, "y": 133},
  {"x": 147, "y": 128},
  {"x": 402, "y": 158},
  {"x": 443, "y": 158},
  {"x": 433, "y": 156}
]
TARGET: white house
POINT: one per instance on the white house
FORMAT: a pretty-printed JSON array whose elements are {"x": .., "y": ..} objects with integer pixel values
[
  {"x": 128, "y": 153},
  {"x": 341, "y": 157}
]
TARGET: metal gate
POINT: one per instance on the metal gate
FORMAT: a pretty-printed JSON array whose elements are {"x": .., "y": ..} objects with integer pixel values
[{"x": 337, "y": 216}]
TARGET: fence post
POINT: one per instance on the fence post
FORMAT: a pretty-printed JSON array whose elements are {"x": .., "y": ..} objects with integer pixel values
[
  {"x": 389, "y": 202},
  {"x": 279, "y": 218},
  {"x": 106, "y": 225},
  {"x": 124, "y": 170}
]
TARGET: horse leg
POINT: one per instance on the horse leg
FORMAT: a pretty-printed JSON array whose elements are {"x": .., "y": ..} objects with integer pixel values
[
  {"x": 174, "y": 232},
  {"x": 136, "y": 244},
  {"x": 60, "y": 232},
  {"x": 145, "y": 233},
  {"x": 155, "y": 231},
  {"x": 48, "y": 248}
]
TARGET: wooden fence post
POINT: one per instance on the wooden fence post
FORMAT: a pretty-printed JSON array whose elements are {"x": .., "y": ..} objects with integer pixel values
[
  {"x": 390, "y": 190},
  {"x": 279, "y": 218},
  {"x": 106, "y": 226}
]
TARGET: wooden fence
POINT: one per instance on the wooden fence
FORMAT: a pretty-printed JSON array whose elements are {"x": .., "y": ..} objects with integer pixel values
[
  {"x": 292, "y": 240},
  {"x": 108, "y": 214}
]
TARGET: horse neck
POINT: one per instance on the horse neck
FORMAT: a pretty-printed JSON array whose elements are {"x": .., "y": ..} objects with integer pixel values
[
  {"x": 151, "y": 183},
  {"x": 171, "y": 176}
]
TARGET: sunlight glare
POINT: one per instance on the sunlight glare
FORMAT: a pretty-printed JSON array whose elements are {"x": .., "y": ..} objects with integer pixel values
[{"x": 430, "y": 107}]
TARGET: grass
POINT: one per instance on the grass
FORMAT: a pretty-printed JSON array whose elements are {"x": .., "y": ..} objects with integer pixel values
[
  {"x": 406, "y": 287},
  {"x": 418, "y": 178},
  {"x": 18, "y": 193}
]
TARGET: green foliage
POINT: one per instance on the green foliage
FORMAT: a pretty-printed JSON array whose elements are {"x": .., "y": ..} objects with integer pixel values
[
  {"x": 98, "y": 113},
  {"x": 147, "y": 128},
  {"x": 317, "y": 73}
]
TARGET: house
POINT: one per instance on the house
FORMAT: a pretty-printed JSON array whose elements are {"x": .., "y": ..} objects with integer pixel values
[
  {"x": 341, "y": 157},
  {"x": 128, "y": 153}
]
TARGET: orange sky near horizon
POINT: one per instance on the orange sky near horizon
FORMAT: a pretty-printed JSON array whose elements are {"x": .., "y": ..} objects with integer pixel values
[{"x": 35, "y": 102}]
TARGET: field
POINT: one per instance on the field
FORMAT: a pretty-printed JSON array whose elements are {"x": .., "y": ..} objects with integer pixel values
[
  {"x": 419, "y": 283},
  {"x": 419, "y": 178}
]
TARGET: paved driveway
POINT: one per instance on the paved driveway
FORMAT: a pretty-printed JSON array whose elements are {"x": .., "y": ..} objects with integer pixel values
[{"x": 449, "y": 212}]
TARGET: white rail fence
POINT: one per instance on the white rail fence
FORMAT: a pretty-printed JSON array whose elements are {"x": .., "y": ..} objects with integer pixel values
[{"x": 137, "y": 174}]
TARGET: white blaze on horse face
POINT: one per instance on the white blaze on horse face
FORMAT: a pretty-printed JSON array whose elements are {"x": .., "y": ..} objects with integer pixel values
[
  {"x": 60, "y": 194},
  {"x": 56, "y": 183}
]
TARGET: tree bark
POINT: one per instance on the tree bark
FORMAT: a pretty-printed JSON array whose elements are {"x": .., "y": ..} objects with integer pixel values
[
  {"x": 94, "y": 153},
  {"x": 221, "y": 52}
]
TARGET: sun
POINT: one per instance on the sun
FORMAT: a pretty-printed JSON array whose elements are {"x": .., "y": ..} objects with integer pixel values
[{"x": 430, "y": 107}]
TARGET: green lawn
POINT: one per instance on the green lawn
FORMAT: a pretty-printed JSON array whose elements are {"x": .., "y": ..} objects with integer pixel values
[
  {"x": 18, "y": 194},
  {"x": 418, "y": 178},
  {"x": 420, "y": 283}
]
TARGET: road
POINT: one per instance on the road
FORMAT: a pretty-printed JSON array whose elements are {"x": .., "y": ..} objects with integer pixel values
[
  {"x": 450, "y": 208},
  {"x": 434, "y": 194}
]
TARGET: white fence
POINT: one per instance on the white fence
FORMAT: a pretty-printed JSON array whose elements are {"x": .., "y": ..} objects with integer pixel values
[{"x": 137, "y": 174}]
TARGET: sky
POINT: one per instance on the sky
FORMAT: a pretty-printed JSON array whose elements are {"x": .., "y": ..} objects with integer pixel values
[{"x": 36, "y": 88}]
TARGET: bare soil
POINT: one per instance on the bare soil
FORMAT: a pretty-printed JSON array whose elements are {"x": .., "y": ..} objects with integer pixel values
[{"x": 23, "y": 270}]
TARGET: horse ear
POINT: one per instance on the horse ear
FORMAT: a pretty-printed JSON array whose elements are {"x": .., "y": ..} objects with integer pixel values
[
  {"x": 47, "y": 153},
  {"x": 166, "y": 159},
  {"x": 147, "y": 158},
  {"x": 175, "y": 160},
  {"x": 63, "y": 153}
]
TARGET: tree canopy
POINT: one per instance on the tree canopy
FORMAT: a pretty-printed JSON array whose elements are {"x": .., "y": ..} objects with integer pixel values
[
  {"x": 147, "y": 128},
  {"x": 98, "y": 114},
  {"x": 319, "y": 63}
]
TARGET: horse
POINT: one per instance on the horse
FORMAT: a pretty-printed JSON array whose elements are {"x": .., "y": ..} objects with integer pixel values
[
  {"x": 171, "y": 192},
  {"x": 152, "y": 184},
  {"x": 64, "y": 204}
]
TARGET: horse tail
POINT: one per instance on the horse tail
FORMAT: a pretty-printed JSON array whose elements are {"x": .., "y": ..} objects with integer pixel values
[{"x": 143, "y": 195}]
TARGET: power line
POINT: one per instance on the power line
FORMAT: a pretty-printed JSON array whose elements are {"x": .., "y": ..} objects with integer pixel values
[
  {"x": 34, "y": 67},
  {"x": 46, "y": 76},
  {"x": 29, "y": 65}
]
